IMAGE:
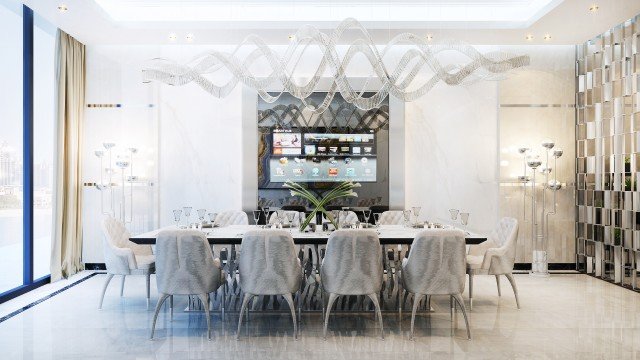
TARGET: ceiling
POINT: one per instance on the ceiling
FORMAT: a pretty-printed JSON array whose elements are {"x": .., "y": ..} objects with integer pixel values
[{"x": 228, "y": 22}]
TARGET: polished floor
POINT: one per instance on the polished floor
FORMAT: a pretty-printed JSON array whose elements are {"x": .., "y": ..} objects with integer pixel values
[{"x": 564, "y": 317}]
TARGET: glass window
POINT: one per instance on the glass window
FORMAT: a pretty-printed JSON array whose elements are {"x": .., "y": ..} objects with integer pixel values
[
  {"x": 44, "y": 115},
  {"x": 10, "y": 146}
]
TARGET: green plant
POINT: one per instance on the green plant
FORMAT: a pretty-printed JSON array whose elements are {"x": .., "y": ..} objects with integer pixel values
[{"x": 344, "y": 189}]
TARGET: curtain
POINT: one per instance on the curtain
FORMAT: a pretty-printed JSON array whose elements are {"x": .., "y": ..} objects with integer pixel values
[{"x": 66, "y": 246}]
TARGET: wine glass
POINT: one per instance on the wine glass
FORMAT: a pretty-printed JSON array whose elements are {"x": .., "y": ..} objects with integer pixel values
[
  {"x": 406, "y": 214},
  {"x": 212, "y": 218},
  {"x": 464, "y": 219},
  {"x": 454, "y": 214},
  {"x": 290, "y": 217},
  {"x": 416, "y": 213},
  {"x": 336, "y": 217},
  {"x": 177, "y": 214},
  {"x": 201, "y": 214},
  {"x": 376, "y": 219},
  {"x": 256, "y": 216},
  {"x": 367, "y": 215},
  {"x": 280, "y": 217},
  {"x": 187, "y": 214}
]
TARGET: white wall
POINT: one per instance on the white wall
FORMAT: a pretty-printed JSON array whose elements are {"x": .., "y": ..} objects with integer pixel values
[{"x": 451, "y": 142}]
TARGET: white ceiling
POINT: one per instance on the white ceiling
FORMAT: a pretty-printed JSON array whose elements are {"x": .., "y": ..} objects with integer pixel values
[{"x": 228, "y": 22}]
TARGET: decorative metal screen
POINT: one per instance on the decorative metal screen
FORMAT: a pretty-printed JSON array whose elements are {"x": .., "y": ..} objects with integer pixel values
[{"x": 608, "y": 155}]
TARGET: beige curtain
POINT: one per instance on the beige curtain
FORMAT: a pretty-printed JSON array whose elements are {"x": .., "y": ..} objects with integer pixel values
[{"x": 66, "y": 245}]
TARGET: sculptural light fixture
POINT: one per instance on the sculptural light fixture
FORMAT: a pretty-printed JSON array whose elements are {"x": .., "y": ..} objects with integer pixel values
[
  {"x": 540, "y": 222},
  {"x": 403, "y": 81}
]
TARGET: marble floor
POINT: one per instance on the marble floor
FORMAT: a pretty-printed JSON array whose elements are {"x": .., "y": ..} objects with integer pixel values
[{"x": 563, "y": 317}]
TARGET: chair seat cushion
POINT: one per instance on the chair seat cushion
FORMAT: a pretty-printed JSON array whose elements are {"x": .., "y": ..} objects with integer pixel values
[
  {"x": 474, "y": 261},
  {"x": 145, "y": 262}
]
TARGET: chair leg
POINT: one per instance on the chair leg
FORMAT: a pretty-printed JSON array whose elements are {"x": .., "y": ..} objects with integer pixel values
[
  {"x": 498, "y": 283},
  {"x": 332, "y": 299},
  {"x": 460, "y": 302},
  {"x": 376, "y": 303},
  {"x": 161, "y": 300},
  {"x": 416, "y": 301},
  {"x": 104, "y": 289},
  {"x": 471, "y": 290},
  {"x": 223, "y": 300},
  {"x": 122, "y": 286},
  {"x": 205, "y": 303},
  {"x": 515, "y": 288},
  {"x": 148, "y": 290},
  {"x": 171, "y": 308},
  {"x": 289, "y": 299},
  {"x": 245, "y": 302}
]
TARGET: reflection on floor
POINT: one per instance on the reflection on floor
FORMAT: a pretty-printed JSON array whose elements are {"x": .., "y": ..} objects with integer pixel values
[{"x": 566, "y": 316}]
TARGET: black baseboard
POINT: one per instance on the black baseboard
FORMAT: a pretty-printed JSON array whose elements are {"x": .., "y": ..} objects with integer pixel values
[
  {"x": 95, "y": 266},
  {"x": 552, "y": 266}
]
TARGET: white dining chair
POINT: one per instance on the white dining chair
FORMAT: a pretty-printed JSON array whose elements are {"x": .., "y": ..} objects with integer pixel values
[
  {"x": 352, "y": 265},
  {"x": 123, "y": 257},
  {"x": 346, "y": 218},
  {"x": 231, "y": 217},
  {"x": 269, "y": 265},
  {"x": 495, "y": 256},
  {"x": 436, "y": 266},
  {"x": 186, "y": 266},
  {"x": 391, "y": 217}
]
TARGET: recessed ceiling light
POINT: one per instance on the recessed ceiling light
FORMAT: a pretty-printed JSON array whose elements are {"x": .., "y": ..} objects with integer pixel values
[
  {"x": 189, "y": 37},
  {"x": 529, "y": 37},
  {"x": 172, "y": 37},
  {"x": 547, "y": 37},
  {"x": 429, "y": 37},
  {"x": 593, "y": 8},
  {"x": 62, "y": 8},
  {"x": 292, "y": 37}
]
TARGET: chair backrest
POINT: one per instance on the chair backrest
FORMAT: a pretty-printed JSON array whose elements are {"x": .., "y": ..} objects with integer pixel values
[
  {"x": 185, "y": 263},
  {"x": 436, "y": 263},
  {"x": 347, "y": 217},
  {"x": 392, "y": 217},
  {"x": 296, "y": 219},
  {"x": 268, "y": 264},
  {"x": 115, "y": 239},
  {"x": 352, "y": 264},
  {"x": 505, "y": 235},
  {"x": 232, "y": 217}
]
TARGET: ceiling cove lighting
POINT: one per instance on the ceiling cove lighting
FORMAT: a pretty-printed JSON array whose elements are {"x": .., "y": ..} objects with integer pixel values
[
  {"x": 407, "y": 79},
  {"x": 62, "y": 8},
  {"x": 269, "y": 14}
]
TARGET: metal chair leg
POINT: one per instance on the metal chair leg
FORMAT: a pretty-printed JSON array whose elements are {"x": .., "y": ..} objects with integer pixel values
[
  {"x": 161, "y": 300},
  {"x": 376, "y": 303},
  {"x": 104, "y": 289},
  {"x": 148, "y": 290},
  {"x": 171, "y": 308},
  {"x": 460, "y": 302},
  {"x": 512, "y": 281},
  {"x": 470, "y": 290},
  {"x": 122, "y": 286},
  {"x": 245, "y": 301},
  {"x": 205, "y": 303},
  {"x": 289, "y": 299},
  {"x": 416, "y": 301},
  {"x": 498, "y": 283},
  {"x": 332, "y": 299}
]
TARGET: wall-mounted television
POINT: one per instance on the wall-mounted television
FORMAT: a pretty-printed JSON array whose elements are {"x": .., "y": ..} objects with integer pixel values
[{"x": 316, "y": 156}]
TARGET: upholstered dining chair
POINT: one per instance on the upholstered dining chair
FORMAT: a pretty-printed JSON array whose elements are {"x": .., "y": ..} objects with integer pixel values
[
  {"x": 269, "y": 265},
  {"x": 391, "y": 217},
  {"x": 346, "y": 217},
  {"x": 273, "y": 219},
  {"x": 124, "y": 257},
  {"x": 186, "y": 266},
  {"x": 231, "y": 217},
  {"x": 436, "y": 266},
  {"x": 495, "y": 256},
  {"x": 352, "y": 266}
]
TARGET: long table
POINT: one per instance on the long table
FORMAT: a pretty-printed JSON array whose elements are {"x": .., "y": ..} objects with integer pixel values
[{"x": 226, "y": 241}]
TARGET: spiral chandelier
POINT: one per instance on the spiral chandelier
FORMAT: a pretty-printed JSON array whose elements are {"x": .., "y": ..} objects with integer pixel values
[{"x": 416, "y": 72}]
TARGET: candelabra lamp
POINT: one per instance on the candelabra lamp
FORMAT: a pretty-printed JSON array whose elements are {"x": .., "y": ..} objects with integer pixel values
[{"x": 539, "y": 212}]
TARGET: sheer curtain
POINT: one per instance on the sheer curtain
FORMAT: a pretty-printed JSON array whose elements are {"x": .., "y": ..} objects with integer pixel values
[{"x": 66, "y": 247}]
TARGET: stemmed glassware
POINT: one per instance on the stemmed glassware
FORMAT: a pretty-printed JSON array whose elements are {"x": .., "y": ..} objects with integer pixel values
[
  {"x": 464, "y": 219},
  {"x": 336, "y": 217},
  {"x": 454, "y": 214},
  {"x": 407, "y": 217},
  {"x": 256, "y": 216},
  {"x": 187, "y": 214},
  {"x": 201, "y": 215},
  {"x": 177, "y": 214},
  {"x": 280, "y": 216},
  {"x": 290, "y": 217},
  {"x": 416, "y": 213},
  {"x": 212, "y": 218},
  {"x": 367, "y": 215},
  {"x": 376, "y": 219}
]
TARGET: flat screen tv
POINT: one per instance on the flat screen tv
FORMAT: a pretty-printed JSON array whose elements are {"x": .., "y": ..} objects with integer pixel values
[{"x": 313, "y": 156}]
